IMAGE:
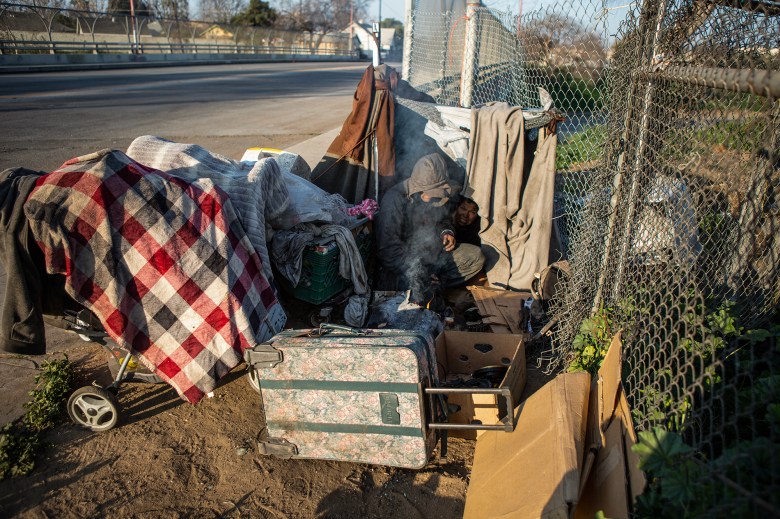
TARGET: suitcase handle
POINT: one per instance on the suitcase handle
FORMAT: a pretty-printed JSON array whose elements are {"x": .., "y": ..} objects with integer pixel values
[
  {"x": 327, "y": 327},
  {"x": 507, "y": 422}
]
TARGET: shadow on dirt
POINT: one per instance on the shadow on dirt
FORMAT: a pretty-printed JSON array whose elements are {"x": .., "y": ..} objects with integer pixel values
[
  {"x": 15, "y": 493},
  {"x": 159, "y": 399},
  {"x": 407, "y": 495}
]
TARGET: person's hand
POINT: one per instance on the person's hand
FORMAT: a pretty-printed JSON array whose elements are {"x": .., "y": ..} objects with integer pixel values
[{"x": 448, "y": 241}]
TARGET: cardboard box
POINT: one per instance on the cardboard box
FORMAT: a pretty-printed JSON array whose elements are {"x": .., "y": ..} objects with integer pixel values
[
  {"x": 501, "y": 309},
  {"x": 535, "y": 470},
  {"x": 610, "y": 475},
  {"x": 460, "y": 354},
  {"x": 569, "y": 455}
]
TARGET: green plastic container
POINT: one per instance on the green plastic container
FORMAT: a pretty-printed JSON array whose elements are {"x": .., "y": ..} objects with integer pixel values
[{"x": 320, "y": 279}]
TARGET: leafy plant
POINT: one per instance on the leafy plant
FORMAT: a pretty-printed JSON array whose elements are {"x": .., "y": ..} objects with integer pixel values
[
  {"x": 581, "y": 147},
  {"x": 21, "y": 442},
  {"x": 591, "y": 343},
  {"x": 18, "y": 449},
  {"x": 53, "y": 385},
  {"x": 681, "y": 483},
  {"x": 714, "y": 328}
]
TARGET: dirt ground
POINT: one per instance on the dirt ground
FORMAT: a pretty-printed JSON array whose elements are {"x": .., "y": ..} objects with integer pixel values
[{"x": 168, "y": 458}]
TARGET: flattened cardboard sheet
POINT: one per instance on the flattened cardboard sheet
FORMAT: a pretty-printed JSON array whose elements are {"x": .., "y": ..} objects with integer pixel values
[
  {"x": 501, "y": 309},
  {"x": 611, "y": 476},
  {"x": 533, "y": 472}
]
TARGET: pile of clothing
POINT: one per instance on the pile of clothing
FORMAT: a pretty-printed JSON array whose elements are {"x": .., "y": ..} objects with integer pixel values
[{"x": 168, "y": 246}]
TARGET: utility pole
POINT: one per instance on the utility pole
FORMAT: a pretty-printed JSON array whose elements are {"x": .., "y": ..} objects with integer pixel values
[
  {"x": 134, "y": 46},
  {"x": 351, "y": 21},
  {"x": 519, "y": 18},
  {"x": 379, "y": 33}
]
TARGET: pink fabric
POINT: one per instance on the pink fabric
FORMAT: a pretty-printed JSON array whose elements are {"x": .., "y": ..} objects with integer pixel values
[{"x": 368, "y": 207}]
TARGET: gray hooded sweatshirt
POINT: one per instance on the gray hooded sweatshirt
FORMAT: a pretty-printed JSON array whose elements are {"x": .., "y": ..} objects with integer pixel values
[{"x": 409, "y": 229}]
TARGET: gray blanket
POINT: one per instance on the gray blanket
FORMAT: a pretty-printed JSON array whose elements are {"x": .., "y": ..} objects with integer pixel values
[
  {"x": 515, "y": 198},
  {"x": 287, "y": 253}
]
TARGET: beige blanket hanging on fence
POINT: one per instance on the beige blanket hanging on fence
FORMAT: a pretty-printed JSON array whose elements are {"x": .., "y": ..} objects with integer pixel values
[{"x": 513, "y": 183}]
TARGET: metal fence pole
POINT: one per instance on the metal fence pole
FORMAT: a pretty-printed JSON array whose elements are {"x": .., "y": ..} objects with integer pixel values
[
  {"x": 408, "y": 38},
  {"x": 470, "y": 55},
  {"x": 617, "y": 185}
]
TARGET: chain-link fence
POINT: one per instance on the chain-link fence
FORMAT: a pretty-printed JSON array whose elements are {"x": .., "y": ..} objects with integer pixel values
[{"x": 667, "y": 195}]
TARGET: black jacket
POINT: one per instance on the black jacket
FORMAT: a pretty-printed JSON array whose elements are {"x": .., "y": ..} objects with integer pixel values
[
  {"x": 409, "y": 229},
  {"x": 468, "y": 234},
  {"x": 21, "y": 320}
]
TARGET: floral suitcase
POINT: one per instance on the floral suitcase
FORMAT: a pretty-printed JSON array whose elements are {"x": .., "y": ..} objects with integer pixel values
[{"x": 338, "y": 393}]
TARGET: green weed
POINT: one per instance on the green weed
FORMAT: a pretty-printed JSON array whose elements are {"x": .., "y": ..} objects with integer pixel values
[{"x": 20, "y": 443}]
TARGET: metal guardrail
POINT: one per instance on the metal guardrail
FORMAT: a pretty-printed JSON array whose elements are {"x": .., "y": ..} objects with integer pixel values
[
  {"x": 33, "y": 29},
  {"x": 102, "y": 47}
]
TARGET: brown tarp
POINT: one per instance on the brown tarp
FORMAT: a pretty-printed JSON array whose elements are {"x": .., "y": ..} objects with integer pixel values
[
  {"x": 513, "y": 183},
  {"x": 348, "y": 166}
]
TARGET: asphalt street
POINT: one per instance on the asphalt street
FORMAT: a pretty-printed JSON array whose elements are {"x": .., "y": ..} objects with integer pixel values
[{"x": 48, "y": 118}]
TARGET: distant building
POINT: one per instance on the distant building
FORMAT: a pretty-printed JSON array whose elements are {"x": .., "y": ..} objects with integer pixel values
[
  {"x": 216, "y": 32},
  {"x": 361, "y": 32}
]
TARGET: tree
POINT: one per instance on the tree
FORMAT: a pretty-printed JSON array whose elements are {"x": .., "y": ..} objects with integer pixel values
[
  {"x": 557, "y": 38},
  {"x": 123, "y": 7},
  {"x": 221, "y": 11},
  {"x": 321, "y": 16},
  {"x": 392, "y": 23},
  {"x": 257, "y": 14},
  {"x": 174, "y": 9},
  {"x": 99, "y": 6},
  {"x": 43, "y": 3}
]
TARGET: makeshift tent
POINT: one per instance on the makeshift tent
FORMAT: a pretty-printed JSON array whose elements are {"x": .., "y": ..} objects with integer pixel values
[{"x": 360, "y": 162}]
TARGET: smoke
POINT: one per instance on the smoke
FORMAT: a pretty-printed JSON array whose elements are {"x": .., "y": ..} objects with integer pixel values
[
  {"x": 418, "y": 276},
  {"x": 424, "y": 260}
]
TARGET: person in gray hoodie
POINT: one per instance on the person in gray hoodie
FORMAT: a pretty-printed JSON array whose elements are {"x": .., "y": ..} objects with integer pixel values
[{"x": 415, "y": 240}]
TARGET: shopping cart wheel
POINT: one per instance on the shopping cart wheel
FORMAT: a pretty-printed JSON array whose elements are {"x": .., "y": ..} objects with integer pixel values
[
  {"x": 94, "y": 408},
  {"x": 251, "y": 377}
]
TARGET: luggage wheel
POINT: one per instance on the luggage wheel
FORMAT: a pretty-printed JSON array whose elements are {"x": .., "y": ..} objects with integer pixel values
[{"x": 93, "y": 407}]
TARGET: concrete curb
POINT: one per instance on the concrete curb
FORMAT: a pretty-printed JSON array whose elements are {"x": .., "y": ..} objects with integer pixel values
[{"x": 312, "y": 150}]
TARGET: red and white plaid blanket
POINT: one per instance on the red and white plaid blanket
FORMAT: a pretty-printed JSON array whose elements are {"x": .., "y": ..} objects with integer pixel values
[{"x": 163, "y": 262}]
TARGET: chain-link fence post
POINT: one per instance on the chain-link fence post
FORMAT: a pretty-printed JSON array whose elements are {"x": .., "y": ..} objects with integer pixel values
[
  {"x": 649, "y": 34},
  {"x": 408, "y": 38},
  {"x": 470, "y": 51}
]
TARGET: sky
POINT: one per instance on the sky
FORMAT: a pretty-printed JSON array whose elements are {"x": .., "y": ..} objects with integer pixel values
[
  {"x": 617, "y": 9},
  {"x": 395, "y": 8}
]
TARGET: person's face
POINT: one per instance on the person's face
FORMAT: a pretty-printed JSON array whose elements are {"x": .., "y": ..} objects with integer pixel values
[
  {"x": 466, "y": 213},
  {"x": 428, "y": 199}
]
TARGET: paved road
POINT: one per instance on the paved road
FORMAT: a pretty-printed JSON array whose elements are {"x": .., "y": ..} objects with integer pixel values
[{"x": 48, "y": 118}]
